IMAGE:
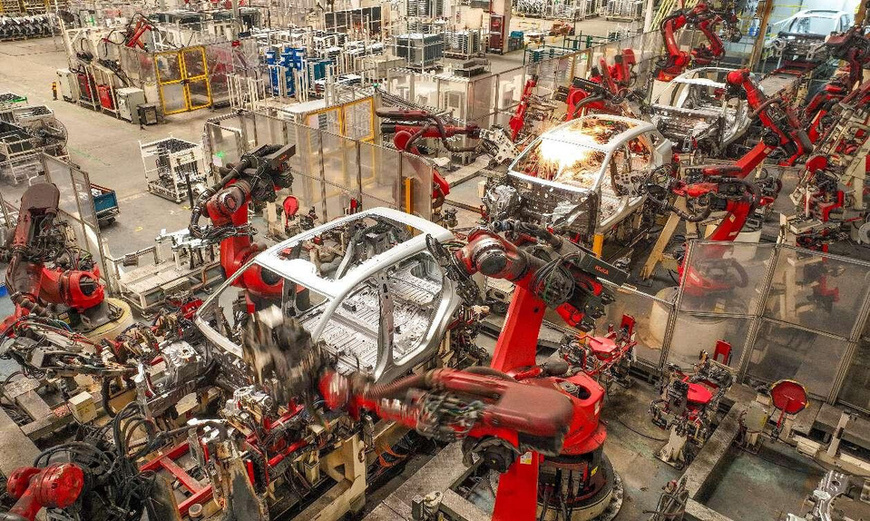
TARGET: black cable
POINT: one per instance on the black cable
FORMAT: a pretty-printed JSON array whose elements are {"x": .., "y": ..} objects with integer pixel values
[{"x": 647, "y": 436}]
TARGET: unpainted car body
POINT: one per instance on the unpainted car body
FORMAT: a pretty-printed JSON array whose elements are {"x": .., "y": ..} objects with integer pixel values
[
  {"x": 364, "y": 284},
  {"x": 802, "y": 35},
  {"x": 584, "y": 176},
  {"x": 696, "y": 113}
]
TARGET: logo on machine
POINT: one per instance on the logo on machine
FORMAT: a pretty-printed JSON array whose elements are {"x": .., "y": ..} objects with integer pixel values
[{"x": 601, "y": 269}]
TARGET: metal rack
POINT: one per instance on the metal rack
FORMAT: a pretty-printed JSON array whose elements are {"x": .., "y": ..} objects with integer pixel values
[
  {"x": 171, "y": 165},
  {"x": 624, "y": 10}
]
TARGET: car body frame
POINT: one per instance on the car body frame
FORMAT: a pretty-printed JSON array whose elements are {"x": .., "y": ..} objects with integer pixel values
[
  {"x": 381, "y": 307},
  {"x": 584, "y": 177}
]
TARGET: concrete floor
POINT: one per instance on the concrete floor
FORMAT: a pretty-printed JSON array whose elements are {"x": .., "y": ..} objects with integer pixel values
[{"x": 104, "y": 147}]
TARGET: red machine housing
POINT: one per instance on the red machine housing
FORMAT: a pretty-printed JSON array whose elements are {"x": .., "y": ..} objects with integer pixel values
[
  {"x": 105, "y": 94},
  {"x": 33, "y": 285},
  {"x": 57, "y": 486},
  {"x": 704, "y": 18}
]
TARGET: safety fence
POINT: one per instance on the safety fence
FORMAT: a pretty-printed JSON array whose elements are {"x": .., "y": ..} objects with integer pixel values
[
  {"x": 490, "y": 99},
  {"x": 76, "y": 207},
  {"x": 788, "y": 313},
  {"x": 189, "y": 78},
  {"x": 329, "y": 170}
]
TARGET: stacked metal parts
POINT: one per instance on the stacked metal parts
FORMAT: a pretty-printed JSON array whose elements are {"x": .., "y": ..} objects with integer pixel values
[{"x": 21, "y": 27}]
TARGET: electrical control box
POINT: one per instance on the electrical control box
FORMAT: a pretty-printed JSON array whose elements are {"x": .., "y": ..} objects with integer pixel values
[
  {"x": 83, "y": 408},
  {"x": 129, "y": 100},
  {"x": 68, "y": 83}
]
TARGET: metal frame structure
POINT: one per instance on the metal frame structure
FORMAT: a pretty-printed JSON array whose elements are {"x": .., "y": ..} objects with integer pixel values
[{"x": 172, "y": 167}]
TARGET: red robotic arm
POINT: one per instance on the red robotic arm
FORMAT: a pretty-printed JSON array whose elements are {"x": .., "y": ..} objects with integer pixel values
[
  {"x": 257, "y": 176},
  {"x": 409, "y": 126},
  {"x": 518, "y": 120},
  {"x": 572, "y": 285},
  {"x": 57, "y": 486},
  {"x": 783, "y": 127},
  {"x": 605, "y": 89},
  {"x": 853, "y": 48},
  {"x": 534, "y": 414},
  {"x": 38, "y": 241},
  {"x": 706, "y": 19}
]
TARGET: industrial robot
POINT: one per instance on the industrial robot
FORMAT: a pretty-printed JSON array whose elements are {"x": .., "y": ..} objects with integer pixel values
[
  {"x": 254, "y": 179},
  {"x": 607, "y": 90},
  {"x": 853, "y": 48},
  {"x": 48, "y": 276},
  {"x": 725, "y": 187},
  {"x": 705, "y": 18},
  {"x": 408, "y": 127}
]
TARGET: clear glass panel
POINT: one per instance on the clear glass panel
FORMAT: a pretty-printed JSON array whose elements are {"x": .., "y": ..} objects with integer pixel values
[
  {"x": 693, "y": 334},
  {"x": 224, "y": 143},
  {"x": 783, "y": 351},
  {"x": 651, "y": 317},
  {"x": 856, "y": 386},
  {"x": 146, "y": 68},
  {"x": 60, "y": 174},
  {"x": 173, "y": 98},
  {"x": 421, "y": 173},
  {"x": 198, "y": 90},
  {"x": 510, "y": 88},
  {"x": 359, "y": 120},
  {"x": 194, "y": 63},
  {"x": 219, "y": 60},
  {"x": 168, "y": 67},
  {"x": 381, "y": 184},
  {"x": 737, "y": 269},
  {"x": 86, "y": 197},
  {"x": 340, "y": 175},
  {"x": 817, "y": 292}
]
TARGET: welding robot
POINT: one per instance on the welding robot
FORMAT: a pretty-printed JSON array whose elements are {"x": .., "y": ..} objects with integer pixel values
[
  {"x": 531, "y": 422},
  {"x": 408, "y": 127},
  {"x": 47, "y": 276},
  {"x": 853, "y": 48},
  {"x": 606, "y": 90},
  {"x": 254, "y": 179},
  {"x": 705, "y": 18},
  {"x": 725, "y": 187}
]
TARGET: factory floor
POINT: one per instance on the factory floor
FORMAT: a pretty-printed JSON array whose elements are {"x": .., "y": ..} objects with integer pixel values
[
  {"x": 746, "y": 487},
  {"x": 108, "y": 148},
  {"x": 750, "y": 487}
]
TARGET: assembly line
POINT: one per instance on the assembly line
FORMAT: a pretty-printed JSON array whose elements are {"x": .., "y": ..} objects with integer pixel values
[{"x": 434, "y": 261}]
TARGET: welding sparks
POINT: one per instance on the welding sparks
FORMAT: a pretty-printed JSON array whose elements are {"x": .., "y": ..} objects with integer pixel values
[{"x": 570, "y": 154}]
